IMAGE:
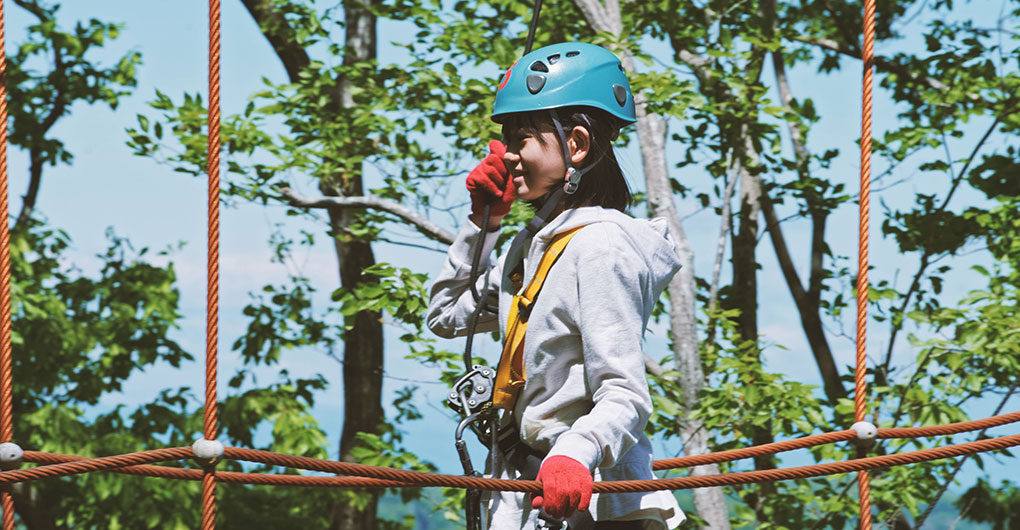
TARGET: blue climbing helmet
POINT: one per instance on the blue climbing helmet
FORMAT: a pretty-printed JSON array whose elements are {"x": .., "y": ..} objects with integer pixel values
[{"x": 562, "y": 75}]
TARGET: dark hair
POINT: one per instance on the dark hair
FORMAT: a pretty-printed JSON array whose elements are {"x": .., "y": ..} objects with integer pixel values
[{"x": 602, "y": 185}]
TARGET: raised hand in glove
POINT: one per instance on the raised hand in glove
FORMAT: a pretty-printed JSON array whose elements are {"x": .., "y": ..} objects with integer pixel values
[
  {"x": 566, "y": 487},
  {"x": 490, "y": 183}
]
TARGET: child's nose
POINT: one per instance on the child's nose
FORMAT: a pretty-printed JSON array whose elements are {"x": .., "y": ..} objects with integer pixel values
[{"x": 511, "y": 158}]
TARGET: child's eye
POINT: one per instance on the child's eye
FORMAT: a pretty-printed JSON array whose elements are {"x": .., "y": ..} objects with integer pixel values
[{"x": 515, "y": 142}]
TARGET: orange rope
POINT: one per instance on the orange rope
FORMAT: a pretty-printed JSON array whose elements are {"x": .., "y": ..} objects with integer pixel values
[
  {"x": 752, "y": 452},
  {"x": 365, "y": 476},
  {"x": 212, "y": 293},
  {"x": 330, "y": 466},
  {"x": 860, "y": 384},
  {"x": 106, "y": 463},
  {"x": 6, "y": 377},
  {"x": 377, "y": 477},
  {"x": 831, "y": 437},
  {"x": 950, "y": 428}
]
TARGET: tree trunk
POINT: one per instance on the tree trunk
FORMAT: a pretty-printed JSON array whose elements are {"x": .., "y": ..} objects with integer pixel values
[
  {"x": 708, "y": 502},
  {"x": 34, "y": 511},
  {"x": 745, "y": 265},
  {"x": 745, "y": 298},
  {"x": 363, "y": 344}
]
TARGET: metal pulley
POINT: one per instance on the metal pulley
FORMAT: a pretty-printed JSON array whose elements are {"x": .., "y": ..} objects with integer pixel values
[{"x": 472, "y": 392}]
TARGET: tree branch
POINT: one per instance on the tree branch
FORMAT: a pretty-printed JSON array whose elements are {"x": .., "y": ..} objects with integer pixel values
[
  {"x": 34, "y": 8},
  {"x": 425, "y": 226},
  {"x": 880, "y": 62},
  {"x": 36, "y": 161},
  {"x": 281, "y": 36},
  {"x": 810, "y": 320},
  {"x": 720, "y": 248},
  {"x": 34, "y": 510},
  {"x": 882, "y": 371}
]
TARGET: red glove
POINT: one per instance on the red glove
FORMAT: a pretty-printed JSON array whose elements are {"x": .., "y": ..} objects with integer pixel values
[
  {"x": 490, "y": 183},
  {"x": 566, "y": 487}
]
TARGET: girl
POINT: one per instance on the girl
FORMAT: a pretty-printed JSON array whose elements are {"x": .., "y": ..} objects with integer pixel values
[{"x": 576, "y": 388}]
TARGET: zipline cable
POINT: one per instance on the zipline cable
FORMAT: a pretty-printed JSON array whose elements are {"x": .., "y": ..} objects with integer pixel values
[
  {"x": 6, "y": 375},
  {"x": 532, "y": 26},
  {"x": 210, "y": 426},
  {"x": 860, "y": 371},
  {"x": 476, "y": 258}
]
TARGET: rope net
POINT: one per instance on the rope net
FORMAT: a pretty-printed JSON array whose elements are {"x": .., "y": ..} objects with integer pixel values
[{"x": 352, "y": 475}]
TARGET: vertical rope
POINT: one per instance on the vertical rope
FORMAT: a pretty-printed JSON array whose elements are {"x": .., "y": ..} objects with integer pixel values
[
  {"x": 6, "y": 367},
  {"x": 860, "y": 384},
  {"x": 212, "y": 286}
]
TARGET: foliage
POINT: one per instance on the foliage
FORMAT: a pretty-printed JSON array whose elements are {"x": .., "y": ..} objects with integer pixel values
[
  {"x": 717, "y": 70},
  {"x": 76, "y": 339},
  {"x": 985, "y": 503},
  {"x": 52, "y": 70}
]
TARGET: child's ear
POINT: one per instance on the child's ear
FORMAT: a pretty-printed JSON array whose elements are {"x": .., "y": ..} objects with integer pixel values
[{"x": 580, "y": 144}]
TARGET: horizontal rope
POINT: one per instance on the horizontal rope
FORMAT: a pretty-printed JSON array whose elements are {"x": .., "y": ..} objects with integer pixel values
[
  {"x": 409, "y": 478},
  {"x": 38, "y": 457},
  {"x": 950, "y": 428},
  {"x": 177, "y": 473},
  {"x": 95, "y": 464},
  {"x": 832, "y": 437},
  {"x": 413, "y": 478},
  {"x": 751, "y": 452},
  {"x": 366, "y": 476},
  {"x": 816, "y": 470}
]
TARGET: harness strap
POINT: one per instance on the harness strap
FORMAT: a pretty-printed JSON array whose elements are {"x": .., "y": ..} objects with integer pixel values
[{"x": 510, "y": 375}]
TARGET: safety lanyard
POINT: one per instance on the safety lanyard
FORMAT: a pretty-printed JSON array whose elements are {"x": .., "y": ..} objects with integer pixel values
[{"x": 510, "y": 372}]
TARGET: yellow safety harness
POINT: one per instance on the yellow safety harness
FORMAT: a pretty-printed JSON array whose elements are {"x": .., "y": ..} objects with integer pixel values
[{"x": 510, "y": 375}]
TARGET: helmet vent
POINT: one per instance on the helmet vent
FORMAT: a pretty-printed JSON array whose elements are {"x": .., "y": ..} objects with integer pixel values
[
  {"x": 620, "y": 66},
  {"x": 573, "y": 54},
  {"x": 619, "y": 91},
  {"x": 539, "y": 66},
  {"x": 535, "y": 83},
  {"x": 554, "y": 58}
]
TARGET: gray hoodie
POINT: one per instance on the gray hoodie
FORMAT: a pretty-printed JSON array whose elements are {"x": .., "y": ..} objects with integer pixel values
[{"x": 586, "y": 396}]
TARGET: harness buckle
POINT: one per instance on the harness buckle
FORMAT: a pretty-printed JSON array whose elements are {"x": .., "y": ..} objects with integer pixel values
[{"x": 524, "y": 308}]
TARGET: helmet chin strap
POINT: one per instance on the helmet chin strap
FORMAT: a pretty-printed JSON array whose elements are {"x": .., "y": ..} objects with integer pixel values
[{"x": 573, "y": 176}]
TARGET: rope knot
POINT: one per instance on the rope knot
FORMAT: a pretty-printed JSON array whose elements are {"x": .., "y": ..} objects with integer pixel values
[
  {"x": 867, "y": 433},
  {"x": 207, "y": 453},
  {"x": 10, "y": 456}
]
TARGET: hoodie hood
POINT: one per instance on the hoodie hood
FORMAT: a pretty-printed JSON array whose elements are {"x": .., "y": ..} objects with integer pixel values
[{"x": 648, "y": 238}]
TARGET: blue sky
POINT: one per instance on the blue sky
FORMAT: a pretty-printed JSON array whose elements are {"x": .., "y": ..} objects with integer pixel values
[{"x": 153, "y": 206}]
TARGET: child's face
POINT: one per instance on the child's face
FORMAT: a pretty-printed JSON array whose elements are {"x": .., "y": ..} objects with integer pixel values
[{"x": 535, "y": 161}]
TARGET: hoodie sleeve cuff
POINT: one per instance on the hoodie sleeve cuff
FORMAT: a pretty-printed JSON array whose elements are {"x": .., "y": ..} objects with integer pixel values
[
  {"x": 462, "y": 248},
  {"x": 577, "y": 447}
]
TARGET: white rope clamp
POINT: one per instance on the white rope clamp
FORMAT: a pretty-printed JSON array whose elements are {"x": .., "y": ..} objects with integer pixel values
[
  {"x": 10, "y": 456},
  {"x": 207, "y": 452},
  {"x": 867, "y": 433}
]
